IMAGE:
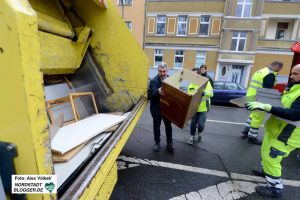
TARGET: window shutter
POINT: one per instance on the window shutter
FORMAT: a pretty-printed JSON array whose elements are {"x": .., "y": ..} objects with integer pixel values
[
  {"x": 216, "y": 25},
  {"x": 193, "y": 26},
  {"x": 151, "y": 25},
  {"x": 171, "y": 25}
]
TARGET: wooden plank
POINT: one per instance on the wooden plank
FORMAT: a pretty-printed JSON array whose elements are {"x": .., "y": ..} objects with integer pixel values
[
  {"x": 79, "y": 132},
  {"x": 56, "y": 125},
  {"x": 76, "y": 117},
  {"x": 241, "y": 102},
  {"x": 56, "y": 157},
  {"x": 77, "y": 159}
]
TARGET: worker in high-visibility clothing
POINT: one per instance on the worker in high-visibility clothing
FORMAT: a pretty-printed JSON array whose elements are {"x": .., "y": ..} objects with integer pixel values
[
  {"x": 263, "y": 78},
  {"x": 199, "y": 118},
  {"x": 282, "y": 135}
]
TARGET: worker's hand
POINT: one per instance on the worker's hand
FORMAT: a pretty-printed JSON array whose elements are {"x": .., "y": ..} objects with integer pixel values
[
  {"x": 161, "y": 92},
  {"x": 257, "y": 105}
]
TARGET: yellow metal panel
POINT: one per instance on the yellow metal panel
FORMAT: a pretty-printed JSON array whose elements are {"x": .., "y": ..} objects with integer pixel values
[
  {"x": 109, "y": 183},
  {"x": 119, "y": 54},
  {"x": 91, "y": 192},
  {"x": 23, "y": 117},
  {"x": 100, "y": 3},
  {"x": 58, "y": 54},
  {"x": 61, "y": 55},
  {"x": 52, "y": 25},
  {"x": 48, "y": 7}
]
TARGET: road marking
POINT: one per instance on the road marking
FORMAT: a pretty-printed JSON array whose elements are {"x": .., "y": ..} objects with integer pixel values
[
  {"x": 235, "y": 176},
  {"x": 227, "y": 190},
  {"x": 241, "y": 185},
  {"x": 227, "y": 122},
  {"x": 173, "y": 166}
]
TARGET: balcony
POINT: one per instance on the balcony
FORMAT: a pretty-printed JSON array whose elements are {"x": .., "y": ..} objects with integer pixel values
[
  {"x": 277, "y": 44},
  {"x": 275, "y": 8}
]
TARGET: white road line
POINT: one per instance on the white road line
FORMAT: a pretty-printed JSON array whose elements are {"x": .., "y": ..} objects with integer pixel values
[
  {"x": 223, "y": 191},
  {"x": 123, "y": 160},
  {"x": 227, "y": 122},
  {"x": 174, "y": 166}
]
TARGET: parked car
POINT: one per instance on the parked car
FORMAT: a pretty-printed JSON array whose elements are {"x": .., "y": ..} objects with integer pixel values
[{"x": 225, "y": 91}]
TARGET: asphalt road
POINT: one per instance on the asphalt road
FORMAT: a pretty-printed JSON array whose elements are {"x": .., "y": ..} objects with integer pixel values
[{"x": 217, "y": 168}]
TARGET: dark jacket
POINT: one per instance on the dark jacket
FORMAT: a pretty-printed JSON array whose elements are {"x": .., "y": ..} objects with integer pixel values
[
  {"x": 155, "y": 84},
  {"x": 292, "y": 113},
  {"x": 209, "y": 78}
]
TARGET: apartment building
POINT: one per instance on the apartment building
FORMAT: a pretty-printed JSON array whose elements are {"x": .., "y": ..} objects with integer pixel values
[
  {"x": 234, "y": 38},
  {"x": 133, "y": 14}
]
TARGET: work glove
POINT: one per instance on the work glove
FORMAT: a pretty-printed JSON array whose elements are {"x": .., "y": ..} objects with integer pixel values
[{"x": 257, "y": 105}]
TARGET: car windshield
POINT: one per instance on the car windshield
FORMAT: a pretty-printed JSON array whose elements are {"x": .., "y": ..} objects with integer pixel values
[
  {"x": 231, "y": 86},
  {"x": 219, "y": 85}
]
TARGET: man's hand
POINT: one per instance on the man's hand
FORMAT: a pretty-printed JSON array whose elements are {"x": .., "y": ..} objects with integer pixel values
[
  {"x": 257, "y": 105},
  {"x": 161, "y": 92}
]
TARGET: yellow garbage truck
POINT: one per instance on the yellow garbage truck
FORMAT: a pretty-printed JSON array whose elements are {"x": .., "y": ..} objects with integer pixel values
[{"x": 81, "y": 43}]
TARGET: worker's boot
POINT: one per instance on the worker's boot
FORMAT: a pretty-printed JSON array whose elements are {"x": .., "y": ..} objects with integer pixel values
[
  {"x": 254, "y": 140},
  {"x": 245, "y": 131},
  {"x": 298, "y": 155},
  {"x": 258, "y": 172},
  {"x": 199, "y": 136},
  {"x": 191, "y": 140},
  {"x": 267, "y": 191},
  {"x": 170, "y": 147}
]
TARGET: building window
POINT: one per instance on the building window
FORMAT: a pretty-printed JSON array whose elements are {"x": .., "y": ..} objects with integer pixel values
[
  {"x": 129, "y": 24},
  {"x": 281, "y": 30},
  {"x": 179, "y": 55},
  {"x": 223, "y": 70},
  {"x": 125, "y": 2},
  {"x": 182, "y": 25},
  {"x": 243, "y": 8},
  {"x": 204, "y": 25},
  {"x": 200, "y": 58},
  {"x": 238, "y": 41},
  {"x": 161, "y": 25},
  {"x": 158, "y": 56}
]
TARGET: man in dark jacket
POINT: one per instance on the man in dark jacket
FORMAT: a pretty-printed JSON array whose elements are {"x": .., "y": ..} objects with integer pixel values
[
  {"x": 155, "y": 92},
  {"x": 203, "y": 72}
]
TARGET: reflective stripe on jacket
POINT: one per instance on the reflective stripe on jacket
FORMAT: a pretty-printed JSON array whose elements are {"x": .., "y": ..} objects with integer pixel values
[
  {"x": 205, "y": 101},
  {"x": 257, "y": 80},
  {"x": 285, "y": 130}
]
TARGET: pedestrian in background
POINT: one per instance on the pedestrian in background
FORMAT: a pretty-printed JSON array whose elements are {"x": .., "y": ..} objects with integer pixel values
[
  {"x": 199, "y": 119},
  {"x": 203, "y": 72},
  {"x": 263, "y": 78},
  {"x": 154, "y": 95},
  {"x": 282, "y": 135}
]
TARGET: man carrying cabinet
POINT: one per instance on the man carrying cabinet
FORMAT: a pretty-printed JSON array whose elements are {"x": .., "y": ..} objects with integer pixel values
[
  {"x": 282, "y": 135},
  {"x": 264, "y": 78}
]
